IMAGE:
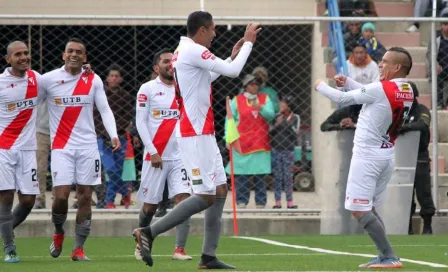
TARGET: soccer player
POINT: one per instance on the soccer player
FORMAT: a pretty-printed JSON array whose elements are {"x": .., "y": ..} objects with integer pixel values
[
  {"x": 71, "y": 94},
  {"x": 18, "y": 101},
  {"x": 195, "y": 68},
  {"x": 157, "y": 115},
  {"x": 386, "y": 105}
]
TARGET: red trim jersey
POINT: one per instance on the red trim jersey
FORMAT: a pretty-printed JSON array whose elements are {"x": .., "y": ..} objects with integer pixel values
[
  {"x": 156, "y": 118},
  {"x": 71, "y": 99},
  {"x": 385, "y": 107},
  {"x": 18, "y": 101},
  {"x": 195, "y": 68}
]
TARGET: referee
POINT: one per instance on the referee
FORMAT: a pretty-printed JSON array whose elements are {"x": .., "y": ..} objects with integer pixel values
[{"x": 419, "y": 120}]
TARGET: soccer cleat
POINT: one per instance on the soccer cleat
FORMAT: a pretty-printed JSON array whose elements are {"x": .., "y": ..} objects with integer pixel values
[
  {"x": 110, "y": 205},
  {"x": 373, "y": 261},
  {"x": 215, "y": 264},
  {"x": 145, "y": 244},
  {"x": 11, "y": 257},
  {"x": 387, "y": 263},
  {"x": 56, "y": 245},
  {"x": 79, "y": 256},
  {"x": 179, "y": 254},
  {"x": 127, "y": 201},
  {"x": 137, "y": 254}
]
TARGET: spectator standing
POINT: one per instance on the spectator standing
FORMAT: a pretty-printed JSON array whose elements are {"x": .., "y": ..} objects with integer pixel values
[
  {"x": 419, "y": 120},
  {"x": 252, "y": 112},
  {"x": 284, "y": 129},
  {"x": 442, "y": 62},
  {"x": 261, "y": 74},
  {"x": 121, "y": 103}
]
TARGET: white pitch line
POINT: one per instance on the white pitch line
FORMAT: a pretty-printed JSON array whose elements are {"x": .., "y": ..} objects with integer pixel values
[
  {"x": 271, "y": 242},
  {"x": 246, "y": 254},
  {"x": 401, "y": 245}
]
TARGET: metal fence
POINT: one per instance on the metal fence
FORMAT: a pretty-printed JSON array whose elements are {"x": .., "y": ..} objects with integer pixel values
[{"x": 284, "y": 50}]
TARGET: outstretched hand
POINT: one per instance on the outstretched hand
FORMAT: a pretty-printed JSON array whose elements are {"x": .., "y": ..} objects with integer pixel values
[{"x": 252, "y": 30}]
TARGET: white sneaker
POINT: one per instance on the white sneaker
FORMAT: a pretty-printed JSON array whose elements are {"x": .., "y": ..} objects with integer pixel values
[
  {"x": 137, "y": 254},
  {"x": 412, "y": 28},
  {"x": 242, "y": 206},
  {"x": 179, "y": 254}
]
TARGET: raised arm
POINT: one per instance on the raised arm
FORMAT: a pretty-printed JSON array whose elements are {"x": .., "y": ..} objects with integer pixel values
[
  {"x": 367, "y": 94},
  {"x": 202, "y": 57}
]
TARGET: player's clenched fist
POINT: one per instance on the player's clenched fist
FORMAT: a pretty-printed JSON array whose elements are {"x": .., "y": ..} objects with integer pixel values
[
  {"x": 252, "y": 30},
  {"x": 340, "y": 80}
]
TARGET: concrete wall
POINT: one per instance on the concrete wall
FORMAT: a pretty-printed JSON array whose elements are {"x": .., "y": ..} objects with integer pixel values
[{"x": 159, "y": 7}]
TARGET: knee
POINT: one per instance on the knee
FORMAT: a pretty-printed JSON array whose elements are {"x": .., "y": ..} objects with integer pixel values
[
  {"x": 181, "y": 197},
  {"x": 84, "y": 197},
  {"x": 28, "y": 201},
  {"x": 221, "y": 190},
  {"x": 358, "y": 214},
  {"x": 60, "y": 195},
  {"x": 149, "y": 208},
  {"x": 211, "y": 199}
]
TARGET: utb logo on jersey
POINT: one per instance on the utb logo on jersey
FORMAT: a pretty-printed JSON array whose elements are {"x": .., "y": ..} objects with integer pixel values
[
  {"x": 165, "y": 114},
  {"x": 20, "y": 105},
  {"x": 70, "y": 101}
]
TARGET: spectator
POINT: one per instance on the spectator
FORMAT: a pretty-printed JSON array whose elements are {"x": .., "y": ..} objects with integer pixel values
[
  {"x": 344, "y": 118},
  {"x": 349, "y": 8},
  {"x": 442, "y": 62},
  {"x": 354, "y": 8},
  {"x": 283, "y": 141},
  {"x": 261, "y": 74},
  {"x": 120, "y": 102},
  {"x": 252, "y": 112},
  {"x": 420, "y": 120},
  {"x": 350, "y": 41},
  {"x": 424, "y": 8},
  {"x": 43, "y": 151},
  {"x": 361, "y": 67},
  {"x": 375, "y": 49}
]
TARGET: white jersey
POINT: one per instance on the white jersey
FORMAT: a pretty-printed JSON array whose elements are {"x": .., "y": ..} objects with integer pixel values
[
  {"x": 157, "y": 115},
  {"x": 70, "y": 101},
  {"x": 386, "y": 105},
  {"x": 195, "y": 68},
  {"x": 18, "y": 101}
]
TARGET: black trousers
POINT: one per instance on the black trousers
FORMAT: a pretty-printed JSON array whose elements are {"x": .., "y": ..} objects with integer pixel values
[{"x": 422, "y": 188}]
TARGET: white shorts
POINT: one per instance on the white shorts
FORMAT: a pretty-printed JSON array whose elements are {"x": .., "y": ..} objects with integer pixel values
[
  {"x": 367, "y": 183},
  {"x": 75, "y": 166},
  {"x": 18, "y": 171},
  {"x": 153, "y": 181},
  {"x": 203, "y": 161}
]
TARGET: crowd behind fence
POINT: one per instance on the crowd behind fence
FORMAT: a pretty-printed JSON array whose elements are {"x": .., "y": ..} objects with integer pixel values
[{"x": 278, "y": 74}]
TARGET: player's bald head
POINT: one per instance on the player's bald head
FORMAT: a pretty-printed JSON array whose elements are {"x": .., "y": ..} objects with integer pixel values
[
  {"x": 402, "y": 57},
  {"x": 13, "y": 46}
]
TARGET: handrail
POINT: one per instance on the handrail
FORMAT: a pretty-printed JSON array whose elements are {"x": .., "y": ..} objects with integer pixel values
[{"x": 336, "y": 38}]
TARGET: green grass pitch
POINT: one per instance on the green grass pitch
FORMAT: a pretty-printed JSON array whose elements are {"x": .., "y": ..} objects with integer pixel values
[{"x": 116, "y": 254}]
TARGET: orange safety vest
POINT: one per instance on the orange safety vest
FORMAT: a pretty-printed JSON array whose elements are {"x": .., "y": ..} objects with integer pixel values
[{"x": 252, "y": 127}]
